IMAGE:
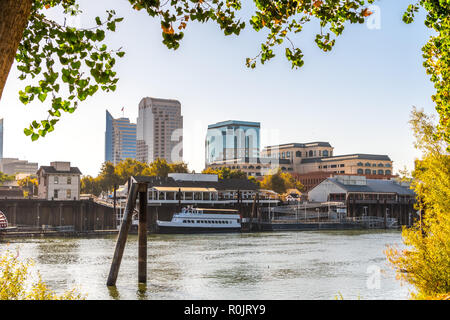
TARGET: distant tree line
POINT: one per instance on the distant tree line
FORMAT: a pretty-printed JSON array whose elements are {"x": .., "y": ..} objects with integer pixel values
[
  {"x": 114, "y": 175},
  {"x": 277, "y": 181}
]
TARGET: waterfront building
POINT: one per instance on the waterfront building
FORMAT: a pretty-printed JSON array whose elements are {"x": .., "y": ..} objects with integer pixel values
[
  {"x": 159, "y": 130},
  {"x": 59, "y": 181},
  {"x": 295, "y": 152},
  {"x": 232, "y": 139},
  {"x": 13, "y": 166},
  {"x": 368, "y": 197},
  {"x": 120, "y": 139},
  {"x": 361, "y": 164},
  {"x": 197, "y": 188}
]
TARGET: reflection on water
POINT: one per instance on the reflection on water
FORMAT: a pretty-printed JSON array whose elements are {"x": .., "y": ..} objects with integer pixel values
[{"x": 285, "y": 265}]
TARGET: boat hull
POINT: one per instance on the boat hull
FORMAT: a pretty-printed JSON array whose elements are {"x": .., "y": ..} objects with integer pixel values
[{"x": 191, "y": 230}]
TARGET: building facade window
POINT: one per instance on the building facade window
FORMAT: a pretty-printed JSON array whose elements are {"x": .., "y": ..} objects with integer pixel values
[
  {"x": 69, "y": 194},
  {"x": 388, "y": 172},
  {"x": 360, "y": 164},
  {"x": 310, "y": 153},
  {"x": 69, "y": 180},
  {"x": 367, "y": 171},
  {"x": 56, "y": 180},
  {"x": 367, "y": 164},
  {"x": 360, "y": 171},
  {"x": 298, "y": 154},
  {"x": 325, "y": 153},
  {"x": 55, "y": 194}
]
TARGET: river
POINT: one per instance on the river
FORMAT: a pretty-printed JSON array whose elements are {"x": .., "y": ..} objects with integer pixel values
[{"x": 272, "y": 265}]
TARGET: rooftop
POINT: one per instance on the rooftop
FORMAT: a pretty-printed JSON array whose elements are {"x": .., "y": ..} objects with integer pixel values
[
  {"x": 299, "y": 145},
  {"x": 225, "y": 184},
  {"x": 349, "y": 156},
  {"x": 374, "y": 186},
  {"x": 52, "y": 170}
]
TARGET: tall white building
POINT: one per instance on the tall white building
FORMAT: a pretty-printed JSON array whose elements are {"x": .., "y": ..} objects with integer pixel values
[{"x": 159, "y": 130}]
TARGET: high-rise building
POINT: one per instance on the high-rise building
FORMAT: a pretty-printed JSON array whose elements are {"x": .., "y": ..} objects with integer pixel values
[
  {"x": 12, "y": 166},
  {"x": 159, "y": 130},
  {"x": 120, "y": 139},
  {"x": 109, "y": 137},
  {"x": 232, "y": 140}
]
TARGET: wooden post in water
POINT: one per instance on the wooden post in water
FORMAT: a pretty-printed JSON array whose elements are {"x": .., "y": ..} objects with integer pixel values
[
  {"x": 258, "y": 211},
  {"x": 252, "y": 213},
  {"x": 115, "y": 203},
  {"x": 123, "y": 233},
  {"x": 142, "y": 234}
]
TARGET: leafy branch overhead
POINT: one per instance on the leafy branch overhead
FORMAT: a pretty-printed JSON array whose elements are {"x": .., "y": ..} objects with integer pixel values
[
  {"x": 83, "y": 62},
  {"x": 69, "y": 64},
  {"x": 436, "y": 54},
  {"x": 284, "y": 18}
]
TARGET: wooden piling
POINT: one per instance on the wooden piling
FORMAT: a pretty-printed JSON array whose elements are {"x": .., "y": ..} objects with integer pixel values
[
  {"x": 252, "y": 213},
  {"x": 123, "y": 233},
  {"x": 142, "y": 234}
]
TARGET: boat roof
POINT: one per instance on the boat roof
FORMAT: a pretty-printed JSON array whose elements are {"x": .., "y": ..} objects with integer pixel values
[
  {"x": 184, "y": 189},
  {"x": 211, "y": 209}
]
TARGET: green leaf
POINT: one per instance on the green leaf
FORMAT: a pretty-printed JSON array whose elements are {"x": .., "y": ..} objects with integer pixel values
[{"x": 42, "y": 97}]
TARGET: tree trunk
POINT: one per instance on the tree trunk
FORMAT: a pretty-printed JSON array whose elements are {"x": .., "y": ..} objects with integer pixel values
[{"x": 14, "y": 16}]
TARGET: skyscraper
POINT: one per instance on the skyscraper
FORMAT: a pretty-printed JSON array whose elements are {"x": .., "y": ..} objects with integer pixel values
[
  {"x": 232, "y": 140},
  {"x": 109, "y": 137},
  {"x": 120, "y": 139},
  {"x": 159, "y": 130}
]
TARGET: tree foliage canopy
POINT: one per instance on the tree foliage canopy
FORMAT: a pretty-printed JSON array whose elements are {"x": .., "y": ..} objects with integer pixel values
[
  {"x": 16, "y": 282},
  {"x": 425, "y": 263},
  {"x": 111, "y": 175},
  {"x": 226, "y": 173},
  {"x": 436, "y": 54},
  {"x": 280, "y": 182},
  {"x": 68, "y": 64}
]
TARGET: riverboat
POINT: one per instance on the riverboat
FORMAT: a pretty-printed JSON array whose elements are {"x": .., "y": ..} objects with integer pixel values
[{"x": 201, "y": 220}]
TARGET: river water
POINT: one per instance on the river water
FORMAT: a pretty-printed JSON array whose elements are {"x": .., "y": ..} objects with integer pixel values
[{"x": 272, "y": 265}]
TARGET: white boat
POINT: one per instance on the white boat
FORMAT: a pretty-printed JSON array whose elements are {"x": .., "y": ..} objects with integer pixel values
[{"x": 201, "y": 220}]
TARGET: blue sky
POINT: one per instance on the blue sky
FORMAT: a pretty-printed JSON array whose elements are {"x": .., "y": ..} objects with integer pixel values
[{"x": 357, "y": 97}]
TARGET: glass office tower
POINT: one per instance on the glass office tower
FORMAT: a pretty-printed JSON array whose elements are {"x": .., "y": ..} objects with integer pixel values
[
  {"x": 232, "y": 140},
  {"x": 120, "y": 139}
]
